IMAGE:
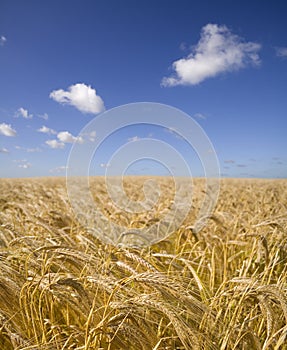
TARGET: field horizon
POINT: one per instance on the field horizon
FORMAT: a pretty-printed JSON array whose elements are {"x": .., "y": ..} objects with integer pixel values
[{"x": 143, "y": 175}]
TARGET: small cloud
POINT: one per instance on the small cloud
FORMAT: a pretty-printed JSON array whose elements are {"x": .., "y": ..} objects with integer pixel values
[
  {"x": 23, "y": 113},
  {"x": 44, "y": 129},
  {"x": 105, "y": 165},
  {"x": 29, "y": 150},
  {"x": 4, "y": 150},
  {"x": 183, "y": 46},
  {"x": 55, "y": 144},
  {"x": 43, "y": 116},
  {"x": 92, "y": 136},
  {"x": 80, "y": 96},
  {"x": 3, "y": 40},
  {"x": 281, "y": 52},
  {"x": 22, "y": 163},
  {"x": 6, "y": 130},
  {"x": 33, "y": 150},
  {"x": 199, "y": 116},
  {"x": 134, "y": 139},
  {"x": 174, "y": 132},
  {"x": 25, "y": 165},
  {"x": 58, "y": 170},
  {"x": 229, "y": 161},
  {"x": 66, "y": 137},
  {"x": 19, "y": 161},
  {"x": 218, "y": 51}
]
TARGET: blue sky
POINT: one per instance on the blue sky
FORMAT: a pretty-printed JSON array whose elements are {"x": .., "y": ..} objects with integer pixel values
[{"x": 63, "y": 63}]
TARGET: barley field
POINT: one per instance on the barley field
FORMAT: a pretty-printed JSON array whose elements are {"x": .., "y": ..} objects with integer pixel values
[{"x": 225, "y": 287}]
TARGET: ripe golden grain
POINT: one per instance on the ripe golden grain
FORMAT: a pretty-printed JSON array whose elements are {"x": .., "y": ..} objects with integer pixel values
[{"x": 224, "y": 287}]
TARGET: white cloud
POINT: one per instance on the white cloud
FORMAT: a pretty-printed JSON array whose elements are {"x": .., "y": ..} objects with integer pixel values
[
  {"x": 199, "y": 116},
  {"x": 218, "y": 51},
  {"x": 43, "y": 116},
  {"x": 55, "y": 144},
  {"x": 23, "y": 113},
  {"x": 20, "y": 160},
  {"x": 6, "y": 130},
  {"x": 33, "y": 150},
  {"x": 81, "y": 96},
  {"x": 58, "y": 170},
  {"x": 44, "y": 129},
  {"x": 2, "y": 40},
  {"x": 105, "y": 165},
  {"x": 4, "y": 150},
  {"x": 66, "y": 137},
  {"x": 25, "y": 166},
  {"x": 22, "y": 163},
  {"x": 29, "y": 150},
  {"x": 92, "y": 136},
  {"x": 134, "y": 139},
  {"x": 281, "y": 52},
  {"x": 174, "y": 132}
]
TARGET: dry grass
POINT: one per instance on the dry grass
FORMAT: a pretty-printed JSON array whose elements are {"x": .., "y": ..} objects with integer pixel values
[{"x": 224, "y": 288}]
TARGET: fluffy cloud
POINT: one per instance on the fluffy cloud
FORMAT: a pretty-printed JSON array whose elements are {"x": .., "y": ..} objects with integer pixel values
[
  {"x": 66, "y": 137},
  {"x": 218, "y": 51},
  {"x": 2, "y": 40},
  {"x": 23, "y": 113},
  {"x": 6, "y": 130},
  {"x": 55, "y": 144},
  {"x": 281, "y": 52},
  {"x": 4, "y": 150},
  {"x": 81, "y": 96},
  {"x": 45, "y": 130}
]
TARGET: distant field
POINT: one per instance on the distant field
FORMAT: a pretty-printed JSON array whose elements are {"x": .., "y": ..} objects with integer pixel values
[{"x": 224, "y": 287}]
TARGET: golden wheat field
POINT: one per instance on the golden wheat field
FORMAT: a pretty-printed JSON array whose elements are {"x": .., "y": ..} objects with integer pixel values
[{"x": 224, "y": 287}]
